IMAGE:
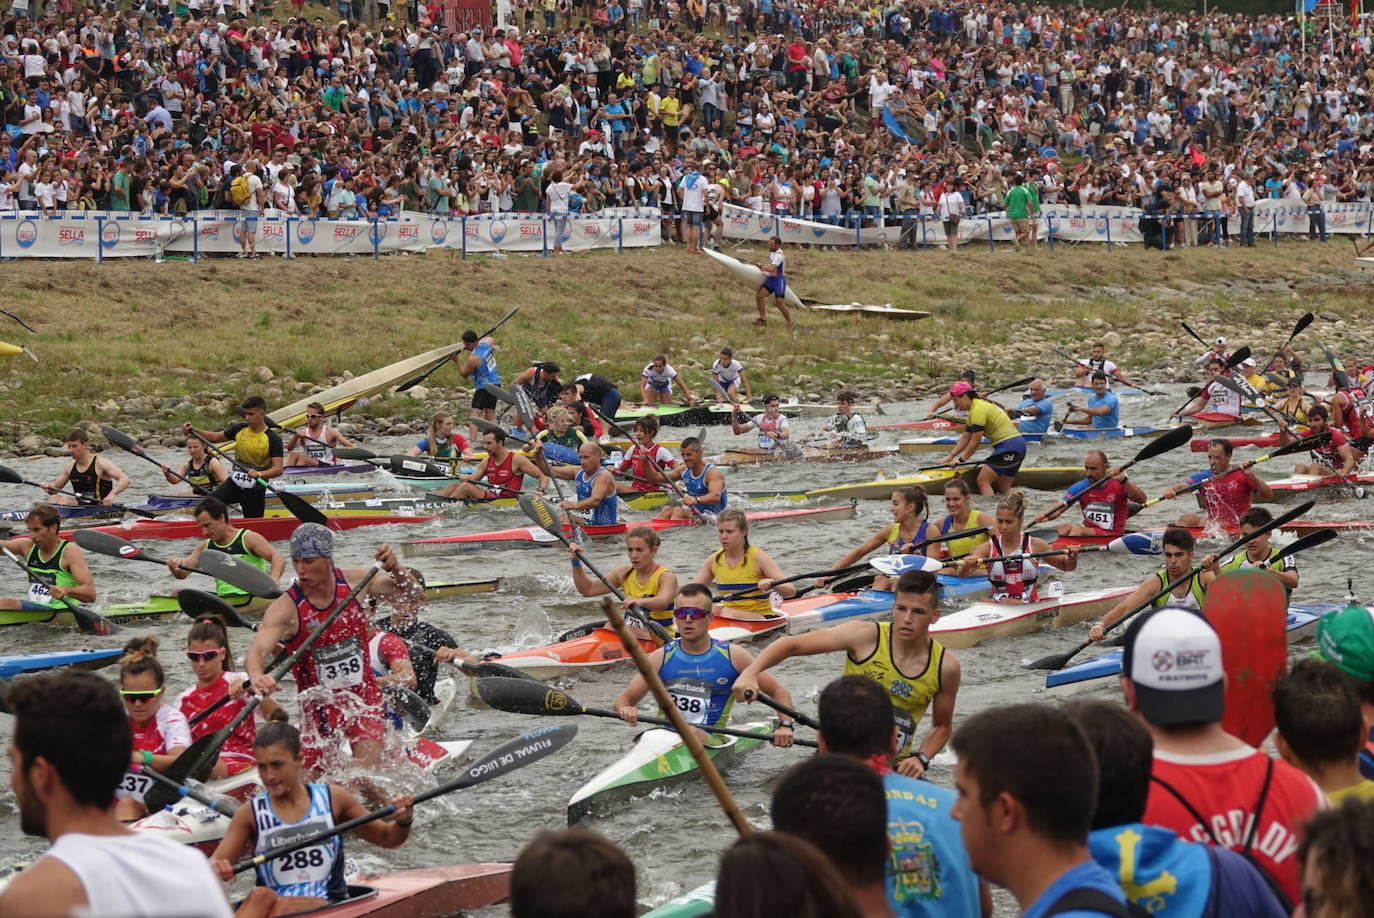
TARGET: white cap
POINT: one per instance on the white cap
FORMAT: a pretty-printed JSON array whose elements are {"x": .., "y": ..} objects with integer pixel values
[
  {"x": 1248, "y": 362},
  {"x": 1173, "y": 656},
  {"x": 1221, "y": 341}
]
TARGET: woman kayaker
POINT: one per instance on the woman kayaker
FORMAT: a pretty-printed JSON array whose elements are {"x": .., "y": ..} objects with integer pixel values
[
  {"x": 441, "y": 441},
  {"x": 561, "y": 432},
  {"x": 960, "y": 516},
  {"x": 645, "y": 583},
  {"x": 1014, "y": 581},
  {"x": 200, "y": 470},
  {"x": 642, "y": 461},
  {"x": 290, "y": 809},
  {"x": 909, "y": 527},
  {"x": 986, "y": 419},
  {"x": 160, "y": 731},
  {"x": 739, "y": 567},
  {"x": 212, "y": 662}
]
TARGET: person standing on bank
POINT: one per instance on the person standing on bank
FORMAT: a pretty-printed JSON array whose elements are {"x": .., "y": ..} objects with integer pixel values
[{"x": 256, "y": 447}]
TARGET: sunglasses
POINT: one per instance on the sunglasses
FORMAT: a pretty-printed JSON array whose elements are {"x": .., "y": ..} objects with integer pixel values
[
  {"x": 687, "y": 613},
  {"x": 314, "y": 417},
  {"x": 140, "y": 694},
  {"x": 203, "y": 656}
]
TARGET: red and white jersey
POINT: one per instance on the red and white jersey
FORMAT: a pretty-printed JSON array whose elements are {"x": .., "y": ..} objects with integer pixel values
[
  {"x": 637, "y": 464},
  {"x": 167, "y": 730},
  {"x": 1225, "y": 789},
  {"x": 1227, "y": 497},
  {"x": 1221, "y": 399},
  {"x": 338, "y": 658},
  {"x": 1105, "y": 507},
  {"x": 502, "y": 476},
  {"x": 195, "y": 699},
  {"x": 384, "y": 649}
]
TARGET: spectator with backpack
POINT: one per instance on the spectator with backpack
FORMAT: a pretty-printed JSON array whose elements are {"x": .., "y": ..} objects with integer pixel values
[{"x": 247, "y": 194}]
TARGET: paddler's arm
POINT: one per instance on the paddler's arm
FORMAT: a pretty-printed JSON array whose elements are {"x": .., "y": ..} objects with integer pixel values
[
  {"x": 858, "y": 639},
  {"x": 1134, "y": 492},
  {"x": 1065, "y": 562},
  {"x": 397, "y": 584},
  {"x": 276, "y": 462},
  {"x": 1121, "y": 378},
  {"x": 783, "y": 734},
  {"x": 976, "y": 557},
  {"x": 278, "y": 626},
  {"x": 467, "y": 365},
  {"x": 715, "y": 487},
  {"x": 384, "y": 833},
  {"x": 1262, "y": 490},
  {"x": 214, "y": 436},
  {"x": 875, "y": 541},
  {"x": 625, "y": 702},
  {"x": 1144, "y": 591},
  {"x": 523, "y": 464},
  {"x": 335, "y": 438},
  {"x": 177, "y": 566},
  {"x": 968, "y": 442},
  {"x": 1189, "y": 410},
  {"x": 588, "y": 586},
  {"x": 62, "y": 478},
  {"x": 737, "y": 427},
  {"x": 661, "y": 601},
  {"x": 259, "y": 547},
  {"x": 112, "y": 472},
  {"x": 236, "y": 838},
  {"x": 941, "y": 719},
  {"x": 1348, "y": 461},
  {"x": 770, "y": 571},
  {"x": 74, "y": 562},
  {"x": 744, "y": 383}
]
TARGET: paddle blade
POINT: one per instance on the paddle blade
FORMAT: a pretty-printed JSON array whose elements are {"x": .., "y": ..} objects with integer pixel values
[
  {"x": 490, "y": 668},
  {"x": 354, "y": 452},
  {"x": 1058, "y": 661},
  {"x": 235, "y": 572},
  {"x": 498, "y": 393},
  {"x": 195, "y": 762},
  {"x": 107, "y": 543},
  {"x": 1138, "y": 543},
  {"x": 509, "y": 756},
  {"x": 300, "y": 508},
  {"x": 1165, "y": 442},
  {"x": 416, "y": 465},
  {"x": 10, "y": 476},
  {"x": 524, "y": 404},
  {"x": 121, "y": 439},
  {"x": 409, "y": 704},
  {"x": 896, "y": 565},
  {"x": 200, "y": 604},
  {"x": 1194, "y": 334},
  {"x": 543, "y": 513},
  {"x": 1316, "y": 441},
  {"x": 1249, "y": 610},
  {"x": 1239, "y": 357},
  {"x": 520, "y": 696}
]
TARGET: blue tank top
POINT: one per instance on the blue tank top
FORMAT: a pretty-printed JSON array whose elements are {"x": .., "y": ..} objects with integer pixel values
[
  {"x": 603, "y": 514},
  {"x": 699, "y": 683},
  {"x": 316, "y": 871},
  {"x": 898, "y": 543},
  {"x": 928, "y": 871},
  {"x": 486, "y": 370},
  {"x": 695, "y": 485}
]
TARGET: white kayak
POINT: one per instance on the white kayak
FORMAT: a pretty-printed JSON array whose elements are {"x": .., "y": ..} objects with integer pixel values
[
  {"x": 984, "y": 620},
  {"x": 886, "y": 310},
  {"x": 749, "y": 275}
]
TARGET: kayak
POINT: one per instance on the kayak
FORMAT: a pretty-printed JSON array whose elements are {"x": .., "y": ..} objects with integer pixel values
[
  {"x": 689, "y": 415},
  {"x": 536, "y": 536},
  {"x": 981, "y": 621},
  {"x": 1303, "y": 527},
  {"x": 923, "y": 424},
  {"x": 1051, "y": 478},
  {"x": 1302, "y": 622},
  {"x": 308, "y": 493},
  {"x": 943, "y": 444},
  {"x": 353, "y": 468},
  {"x": 375, "y": 506},
  {"x": 645, "y": 500},
  {"x": 1215, "y": 420},
  {"x": 808, "y": 454},
  {"x": 659, "y": 759},
  {"x": 1296, "y": 484},
  {"x": 749, "y": 274},
  {"x": 18, "y": 663},
  {"x": 7, "y": 349},
  {"x": 1148, "y": 545},
  {"x": 886, "y": 310},
  {"x": 1200, "y": 444},
  {"x": 275, "y": 529},
  {"x": 694, "y": 904},
  {"x": 1118, "y": 391},
  {"x": 453, "y": 889}
]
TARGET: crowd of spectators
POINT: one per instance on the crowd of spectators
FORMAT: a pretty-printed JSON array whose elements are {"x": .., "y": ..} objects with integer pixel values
[{"x": 840, "y": 112}]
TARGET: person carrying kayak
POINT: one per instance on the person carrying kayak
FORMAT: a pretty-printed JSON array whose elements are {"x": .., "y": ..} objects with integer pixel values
[
  {"x": 212, "y": 516},
  {"x": 741, "y": 568},
  {"x": 287, "y": 810},
  {"x": 1106, "y": 508},
  {"x": 1014, "y": 580},
  {"x": 986, "y": 419},
  {"x": 1179, "y": 546},
  {"x": 89, "y": 475},
  {"x": 646, "y": 584},
  {"x": 1227, "y": 490},
  {"x": 212, "y": 663},
  {"x": 160, "y": 731},
  {"x": 698, "y": 671},
  {"x": 478, "y": 360},
  {"x": 45, "y": 552},
  {"x": 703, "y": 481}
]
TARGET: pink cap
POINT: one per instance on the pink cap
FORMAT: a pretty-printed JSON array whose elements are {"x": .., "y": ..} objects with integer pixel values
[{"x": 960, "y": 388}]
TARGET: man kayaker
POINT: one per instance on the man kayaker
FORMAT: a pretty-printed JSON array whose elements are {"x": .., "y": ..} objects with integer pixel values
[
  {"x": 1337, "y": 457},
  {"x": 61, "y": 562},
  {"x": 775, "y": 283},
  {"x": 1213, "y": 397},
  {"x": 1258, "y": 551},
  {"x": 200, "y": 470},
  {"x": 983, "y": 418},
  {"x": 771, "y": 424},
  {"x": 542, "y": 382},
  {"x": 1227, "y": 490},
  {"x": 845, "y": 430},
  {"x": 1036, "y": 411},
  {"x": 1178, "y": 551},
  {"x": 703, "y": 482},
  {"x": 503, "y": 469},
  {"x": 643, "y": 460},
  {"x": 698, "y": 671},
  {"x": 646, "y": 584},
  {"x": 89, "y": 475},
  {"x": 289, "y": 810},
  {"x": 428, "y": 645},
  {"x": 888, "y": 653},
  {"x": 595, "y": 502},
  {"x": 338, "y": 659},
  {"x": 1097, "y": 362},
  {"x": 71, "y": 745},
  {"x": 1106, "y": 508},
  {"x": 212, "y": 516},
  {"x": 478, "y": 360},
  {"x": 1103, "y": 411},
  {"x": 255, "y": 447},
  {"x": 316, "y": 440},
  {"x": 1014, "y": 580}
]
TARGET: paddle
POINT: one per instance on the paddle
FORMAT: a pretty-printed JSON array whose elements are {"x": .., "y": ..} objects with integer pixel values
[
  {"x": 1155, "y": 447},
  {"x": 420, "y": 465},
  {"x": 1314, "y": 441},
  {"x": 1241, "y": 386},
  {"x": 1011, "y": 385},
  {"x": 20, "y": 321},
  {"x": 805, "y": 720},
  {"x": 999, "y": 459},
  {"x": 501, "y": 394},
  {"x": 620, "y": 432},
  {"x": 293, "y": 503},
  {"x": 520, "y": 696},
  {"x": 200, "y": 757},
  {"x": 1058, "y": 661},
  {"x": 411, "y": 384},
  {"x": 1311, "y": 540},
  {"x": 342, "y": 452},
  {"x": 1337, "y": 371},
  {"x": 1193, "y": 392},
  {"x": 187, "y": 791},
  {"x": 1114, "y": 375},
  {"x": 127, "y": 443},
  {"x": 408, "y": 703},
  {"x": 501, "y": 761},
  {"x": 226, "y": 567},
  {"x": 199, "y": 604},
  {"x": 490, "y": 668},
  {"x": 1302, "y": 323},
  {"x": 10, "y": 476},
  {"x": 1195, "y": 335},
  {"x": 88, "y": 620}
]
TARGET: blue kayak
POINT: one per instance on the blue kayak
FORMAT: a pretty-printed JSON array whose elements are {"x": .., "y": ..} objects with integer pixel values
[
  {"x": 1118, "y": 391},
  {"x": 16, "y": 664},
  {"x": 1110, "y": 433}
]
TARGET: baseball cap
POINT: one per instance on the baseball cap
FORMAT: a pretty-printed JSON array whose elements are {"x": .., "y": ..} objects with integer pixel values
[
  {"x": 1221, "y": 340},
  {"x": 960, "y": 388},
  {"x": 1173, "y": 657},
  {"x": 311, "y": 540},
  {"x": 1346, "y": 638},
  {"x": 1248, "y": 362}
]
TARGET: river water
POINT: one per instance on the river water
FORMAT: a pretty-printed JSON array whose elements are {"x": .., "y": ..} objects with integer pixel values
[{"x": 674, "y": 838}]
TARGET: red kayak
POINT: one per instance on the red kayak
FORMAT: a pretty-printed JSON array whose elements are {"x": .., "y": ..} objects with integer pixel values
[
  {"x": 928, "y": 424},
  {"x": 1298, "y": 483},
  {"x": 1200, "y": 444},
  {"x": 534, "y": 536},
  {"x": 274, "y": 528},
  {"x": 1303, "y": 527},
  {"x": 1103, "y": 539}
]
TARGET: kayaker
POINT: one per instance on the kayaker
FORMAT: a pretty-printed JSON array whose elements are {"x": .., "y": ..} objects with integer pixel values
[
  {"x": 160, "y": 731},
  {"x": 572, "y": 873},
  {"x": 255, "y": 447},
  {"x": 1295, "y": 403},
  {"x": 771, "y": 424},
  {"x": 338, "y": 660},
  {"x": 600, "y": 391},
  {"x": 643, "y": 460},
  {"x": 1106, "y": 508},
  {"x": 698, "y": 671},
  {"x": 986, "y": 419},
  {"x": 1103, "y": 411},
  {"x": 1036, "y": 411},
  {"x": 288, "y": 810},
  {"x": 441, "y": 441},
  {"x": 1258, "y": 551},
  {"x": 959, "y": 516},
  {"x": 646, "y": 584},
  {"x": 70, "y": 751},
  {"x": 927, "y": 868},
  {"x": 595, "y": 502},
  {"x": 544, "y": 387},
  {"x": 1317, "y": 712},
  {"x": 428, "y": 645},
  {"x": 212, "y": 516},
  {"x": 1214, "y": 397},
  {"x": 1097, "y": 362},
  {"x": 63, "y": 563},
  {"x": 316, "y": 440},
  {"x": 1349, "y": 409},
  {"x": 89, "y": 475},
  {"x": 909, "y": 527},
  {"x": 478, "y": 360},
  {"x": 389, "y": 658},
  {"x": 584, "y": 419},
  {"x": 968, "y": 376},
  {"x": 503, "y": 469},
  {"x": 200, "y": 470},
  {"x": 703, "y": 482},
  {"x": 887, "y": 653},
  {"x": 1228, "y": 490},
  {"x": 212, "y": 662},
  {"x": 1014, "y": 580},
  {"x": 738, "y": 567},
  {"x": 775, "y": 283},
  {"x": 563, "y": 432},
  {"x": 1337, "y": 457},
  {"x": 1178, "y": 551},
  {"x": 729, "y": 375},
  {"x": 845, "y": 430},
  {"x": 658, "y": 379}
]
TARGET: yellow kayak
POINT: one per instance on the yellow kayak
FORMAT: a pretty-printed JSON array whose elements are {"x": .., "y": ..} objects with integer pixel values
[
  {"x": 933, "y": 482},
  {"x": 7, "y": 349}
]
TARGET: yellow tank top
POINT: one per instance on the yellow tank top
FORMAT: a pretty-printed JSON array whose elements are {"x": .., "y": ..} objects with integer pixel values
[
  {"x": 911, "y": 695},
  {"x": 648, "y": 590},
  {"x": 967, "y": 543},
  {"x": 252, "y": 448},
  {"x": 994, "y": 421},
  {"x": 730, "y": 578}
]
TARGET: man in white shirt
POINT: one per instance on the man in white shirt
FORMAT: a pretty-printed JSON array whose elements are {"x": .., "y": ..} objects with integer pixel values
[
  {"x": 1245, "y": 204},
  {"x": 950, "y": 208},
  {"x": 250, "y": 210}
]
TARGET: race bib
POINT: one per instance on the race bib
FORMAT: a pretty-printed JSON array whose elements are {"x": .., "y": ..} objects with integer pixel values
[
  {"x": 133, "y": 786},
  {"x": 1220, "y": 397},
  {"x": 906, "y": 728},
  {"x": 1100, "y": 514},
  {"x": 308, "y": 865},
  {"x": 242, "y": 479},
  {"x": 340, "y": 665},
  {"x": 692, "y": 697},
  {"x": 40, "y": 594}
]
